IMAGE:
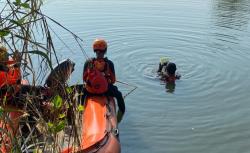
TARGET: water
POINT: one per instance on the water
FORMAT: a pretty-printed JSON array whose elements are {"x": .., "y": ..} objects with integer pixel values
[{"x": 209, "y": 110}]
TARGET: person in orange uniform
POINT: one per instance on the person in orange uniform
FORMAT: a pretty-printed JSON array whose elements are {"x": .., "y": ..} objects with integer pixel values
[
  {"x": 99, "y": 76},
  {"x": 10, "y": 84},
  {"x": 10, "y": 75}
]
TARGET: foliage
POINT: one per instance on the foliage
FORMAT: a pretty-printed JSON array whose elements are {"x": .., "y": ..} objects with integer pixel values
[{"x": 25, "y": 31}]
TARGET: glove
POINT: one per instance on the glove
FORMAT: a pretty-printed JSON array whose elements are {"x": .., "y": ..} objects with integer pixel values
[{"x": 119, "y": 116}]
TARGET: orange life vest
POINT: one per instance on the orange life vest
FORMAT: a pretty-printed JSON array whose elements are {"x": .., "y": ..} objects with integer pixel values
[
  {"x": 10, "y": 81},
  {"x": 100, "y": 64},
  {"x": 96, "y": 82}
]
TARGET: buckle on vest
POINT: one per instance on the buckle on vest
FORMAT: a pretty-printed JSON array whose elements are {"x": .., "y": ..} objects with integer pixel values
[{"x": 115, "y": 131}]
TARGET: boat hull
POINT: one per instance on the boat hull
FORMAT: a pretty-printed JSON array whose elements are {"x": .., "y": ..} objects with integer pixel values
[{"x": 99, "y": 127}]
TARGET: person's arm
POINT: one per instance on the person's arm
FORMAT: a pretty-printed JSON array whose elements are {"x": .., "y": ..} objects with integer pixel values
[
  {"x": 159, "y": 68},
  {"x": 163, "y": 74},
  {"x": 111, "y": 73},
  {"x": 177, "y": 76},
  {"x": 85, "y": 67}
]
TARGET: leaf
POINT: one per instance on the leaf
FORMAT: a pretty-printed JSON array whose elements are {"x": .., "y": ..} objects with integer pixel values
[
  {"x": 60, "y": 126},
  {"x": 80, "y": 108},
  {"x": 14, "y": 22},
  {"x": 4, "y": 32},
  {"x": 57, "y": 101},
  {"x": 5, "y": 99},
  {"x": 1, "y": 111},
  {"x": 67, "y": 106},
  {"x": 18, "y": 22},
  {"x": 43, "y": 55},
  {"x": 21, "y": 21},
  {"x": 69, "y": 90},
  {"x": 61, "y": 116},
  {"x": 17, "y": 2},
  {"x": 25, "y": 5},
  {"x": 50, "y": 125}
]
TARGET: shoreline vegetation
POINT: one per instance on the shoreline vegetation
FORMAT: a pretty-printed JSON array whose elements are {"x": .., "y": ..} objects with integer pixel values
[{"x": 25, "y": 32}]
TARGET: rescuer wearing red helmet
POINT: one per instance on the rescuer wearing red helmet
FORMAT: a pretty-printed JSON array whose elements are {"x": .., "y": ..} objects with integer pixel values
[{"x": 99, "y": 75}]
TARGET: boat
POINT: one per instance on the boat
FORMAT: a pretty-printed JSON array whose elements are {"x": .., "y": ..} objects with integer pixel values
[
  {"x": 99, "y": 127},
  {"x": 100, "y": 132}
]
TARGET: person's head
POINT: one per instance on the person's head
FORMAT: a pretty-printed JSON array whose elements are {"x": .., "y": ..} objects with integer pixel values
[
  {"x": 100, "y": 47},
  {"x": 3, "y": 54},
  {"x": 171, "y": 68}
]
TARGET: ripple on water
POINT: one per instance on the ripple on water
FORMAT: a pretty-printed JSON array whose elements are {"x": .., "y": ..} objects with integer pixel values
[{"x": 209, "y": 109}]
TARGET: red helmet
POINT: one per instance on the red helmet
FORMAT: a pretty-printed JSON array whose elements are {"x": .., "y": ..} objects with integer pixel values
[{"x": 100, "y": 44}]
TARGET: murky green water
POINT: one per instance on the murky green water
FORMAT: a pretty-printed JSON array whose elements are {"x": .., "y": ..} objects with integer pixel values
[{"x": 209, "y": 111}]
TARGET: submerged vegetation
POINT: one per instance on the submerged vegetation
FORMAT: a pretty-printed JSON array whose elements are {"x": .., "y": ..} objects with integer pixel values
[{"x": 25, "y": 31}]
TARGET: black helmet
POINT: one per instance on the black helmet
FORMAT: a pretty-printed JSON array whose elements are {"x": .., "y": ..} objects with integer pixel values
[{"x": 171, "y": 68}]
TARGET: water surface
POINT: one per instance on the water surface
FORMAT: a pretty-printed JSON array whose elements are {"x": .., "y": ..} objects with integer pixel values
[{"x": 209, "y": 110}]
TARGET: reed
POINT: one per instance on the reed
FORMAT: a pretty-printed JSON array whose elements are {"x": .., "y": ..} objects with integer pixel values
[{"x": 25, "y": 31}]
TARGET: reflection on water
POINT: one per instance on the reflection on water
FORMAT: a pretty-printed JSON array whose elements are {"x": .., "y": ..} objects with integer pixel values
[
  {"x": 232, "y": 14},
  {"x": 230, "y": 21},
  {"x": 170, "y": 87}
]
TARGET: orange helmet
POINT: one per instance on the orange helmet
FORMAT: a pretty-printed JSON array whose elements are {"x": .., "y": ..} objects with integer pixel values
[{"x": 100, "y": 44}]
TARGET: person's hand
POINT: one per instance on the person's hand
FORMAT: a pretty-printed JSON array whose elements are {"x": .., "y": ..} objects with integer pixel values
[
  {"x": 119, "y": 116},
  {"x": 178, "y": 76}
]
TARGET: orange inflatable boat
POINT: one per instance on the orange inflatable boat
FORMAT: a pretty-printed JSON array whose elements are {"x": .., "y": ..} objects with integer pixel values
[{"x": 99, "y": 127}]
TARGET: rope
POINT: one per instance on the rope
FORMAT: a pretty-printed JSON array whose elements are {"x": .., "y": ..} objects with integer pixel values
[{"x": 134, "y": 87}]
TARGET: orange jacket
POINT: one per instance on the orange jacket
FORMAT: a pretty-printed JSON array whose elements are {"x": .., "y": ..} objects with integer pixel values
[
  {"x": 104, "y": 65},
  {"x": 11, "y": 78}
]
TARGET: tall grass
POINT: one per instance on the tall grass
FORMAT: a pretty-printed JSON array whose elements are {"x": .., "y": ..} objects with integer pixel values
[{"x": 43, "y": 127}]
